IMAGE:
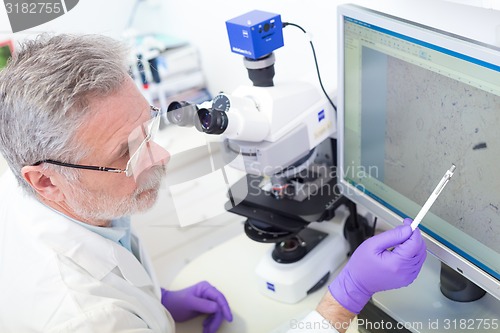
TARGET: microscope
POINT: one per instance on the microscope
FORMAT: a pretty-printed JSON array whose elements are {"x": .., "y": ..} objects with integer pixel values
[{"x": 285, "y": 136}]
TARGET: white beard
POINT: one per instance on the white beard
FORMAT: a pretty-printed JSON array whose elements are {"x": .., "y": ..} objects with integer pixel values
[{"x": 100, "y": 206}]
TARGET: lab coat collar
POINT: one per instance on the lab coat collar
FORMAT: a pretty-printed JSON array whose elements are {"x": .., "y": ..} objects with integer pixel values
[
  {"x": 94, "y": 253},
  {"x": 132, "y": 270}
]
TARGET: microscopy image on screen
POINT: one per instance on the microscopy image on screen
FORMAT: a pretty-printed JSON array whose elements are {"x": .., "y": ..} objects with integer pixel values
[{"x": 445, "y": 121}]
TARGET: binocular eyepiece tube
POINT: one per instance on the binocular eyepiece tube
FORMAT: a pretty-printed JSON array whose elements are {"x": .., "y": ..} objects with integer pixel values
[
  {"x": 237, "y": 118},
  {"x": 206, "y": 120}
]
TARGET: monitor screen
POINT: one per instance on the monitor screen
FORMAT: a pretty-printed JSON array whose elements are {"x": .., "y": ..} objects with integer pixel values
[{"x": 413, "y": 101}]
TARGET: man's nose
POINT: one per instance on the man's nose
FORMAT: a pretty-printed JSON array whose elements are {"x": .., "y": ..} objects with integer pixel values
[
  {"x": 152, "y": 155},
  {"x": 160, "y": 156}
]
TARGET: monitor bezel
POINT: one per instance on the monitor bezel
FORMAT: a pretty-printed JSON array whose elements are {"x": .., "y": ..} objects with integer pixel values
[{"x": 422, "y": 32}]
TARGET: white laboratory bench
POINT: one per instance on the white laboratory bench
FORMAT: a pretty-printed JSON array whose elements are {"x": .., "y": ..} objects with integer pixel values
[{"x": 230, "y": 267}]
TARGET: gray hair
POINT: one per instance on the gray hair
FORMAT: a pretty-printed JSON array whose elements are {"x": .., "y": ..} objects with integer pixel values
[{"x": 45, "y": 91}]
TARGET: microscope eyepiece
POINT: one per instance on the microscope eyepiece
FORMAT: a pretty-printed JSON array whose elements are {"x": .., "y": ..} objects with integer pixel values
[
  {"x": 206, "y": 120},
  {"x": 182, "y": 113},
  {"x": 212, "y": 121},
  {"x": 235, "y": 117}
]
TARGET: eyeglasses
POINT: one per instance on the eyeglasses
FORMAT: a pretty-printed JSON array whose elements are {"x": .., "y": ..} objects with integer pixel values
[{"x": 142, "y": 134}]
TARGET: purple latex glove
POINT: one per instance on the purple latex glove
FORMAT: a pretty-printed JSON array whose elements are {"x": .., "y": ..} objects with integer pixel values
[
  {"x": 373, "y": 267},
  {"x": 201, "y": 298}
]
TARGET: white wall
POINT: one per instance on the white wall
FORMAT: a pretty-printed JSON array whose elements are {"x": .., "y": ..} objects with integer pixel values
[
  {"x": 89, "y": 16},
  {"x": 203, "y": 23},
  {"x": 225, "y": 70}
]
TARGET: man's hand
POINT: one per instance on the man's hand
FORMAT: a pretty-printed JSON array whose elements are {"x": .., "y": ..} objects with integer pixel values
[
  {"x": 201, "y": 298},
  {"x": 386, "y": 261}
]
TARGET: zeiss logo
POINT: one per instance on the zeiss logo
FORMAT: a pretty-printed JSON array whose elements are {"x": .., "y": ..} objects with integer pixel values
[
  {"x": 270, "y": 286},
  {"x": 245, "y": 33},
  {"x": 25, "y": 14},
  {"x": 321, "y": 115}
]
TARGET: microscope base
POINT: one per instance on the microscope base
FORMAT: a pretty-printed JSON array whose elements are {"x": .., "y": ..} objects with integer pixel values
[
  {"x": 289, "y": 283},
  {"x": 422, "y": 308}
]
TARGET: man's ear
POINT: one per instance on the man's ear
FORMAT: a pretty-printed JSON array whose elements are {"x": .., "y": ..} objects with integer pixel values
[{"x": 42, "y": 182}]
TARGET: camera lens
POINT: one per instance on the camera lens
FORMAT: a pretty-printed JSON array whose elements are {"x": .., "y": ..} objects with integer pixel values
[
  {"x": 211, "y": 121},
  {"x": 181, "y": 113}
]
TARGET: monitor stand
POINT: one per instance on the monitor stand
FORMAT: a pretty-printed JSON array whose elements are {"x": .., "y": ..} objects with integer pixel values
[{"x": 424, "y": 309}]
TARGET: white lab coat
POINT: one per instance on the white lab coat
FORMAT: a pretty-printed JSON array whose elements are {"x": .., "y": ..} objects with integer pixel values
[{"x": 57, "y": 276}]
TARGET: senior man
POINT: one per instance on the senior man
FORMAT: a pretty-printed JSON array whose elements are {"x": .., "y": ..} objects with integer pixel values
[
  {"x": 78, "y": 138},
  {"x": 76, "y": 133}
]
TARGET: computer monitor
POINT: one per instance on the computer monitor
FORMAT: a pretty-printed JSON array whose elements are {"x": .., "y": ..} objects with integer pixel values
[{"x": 412, "y": 101}]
